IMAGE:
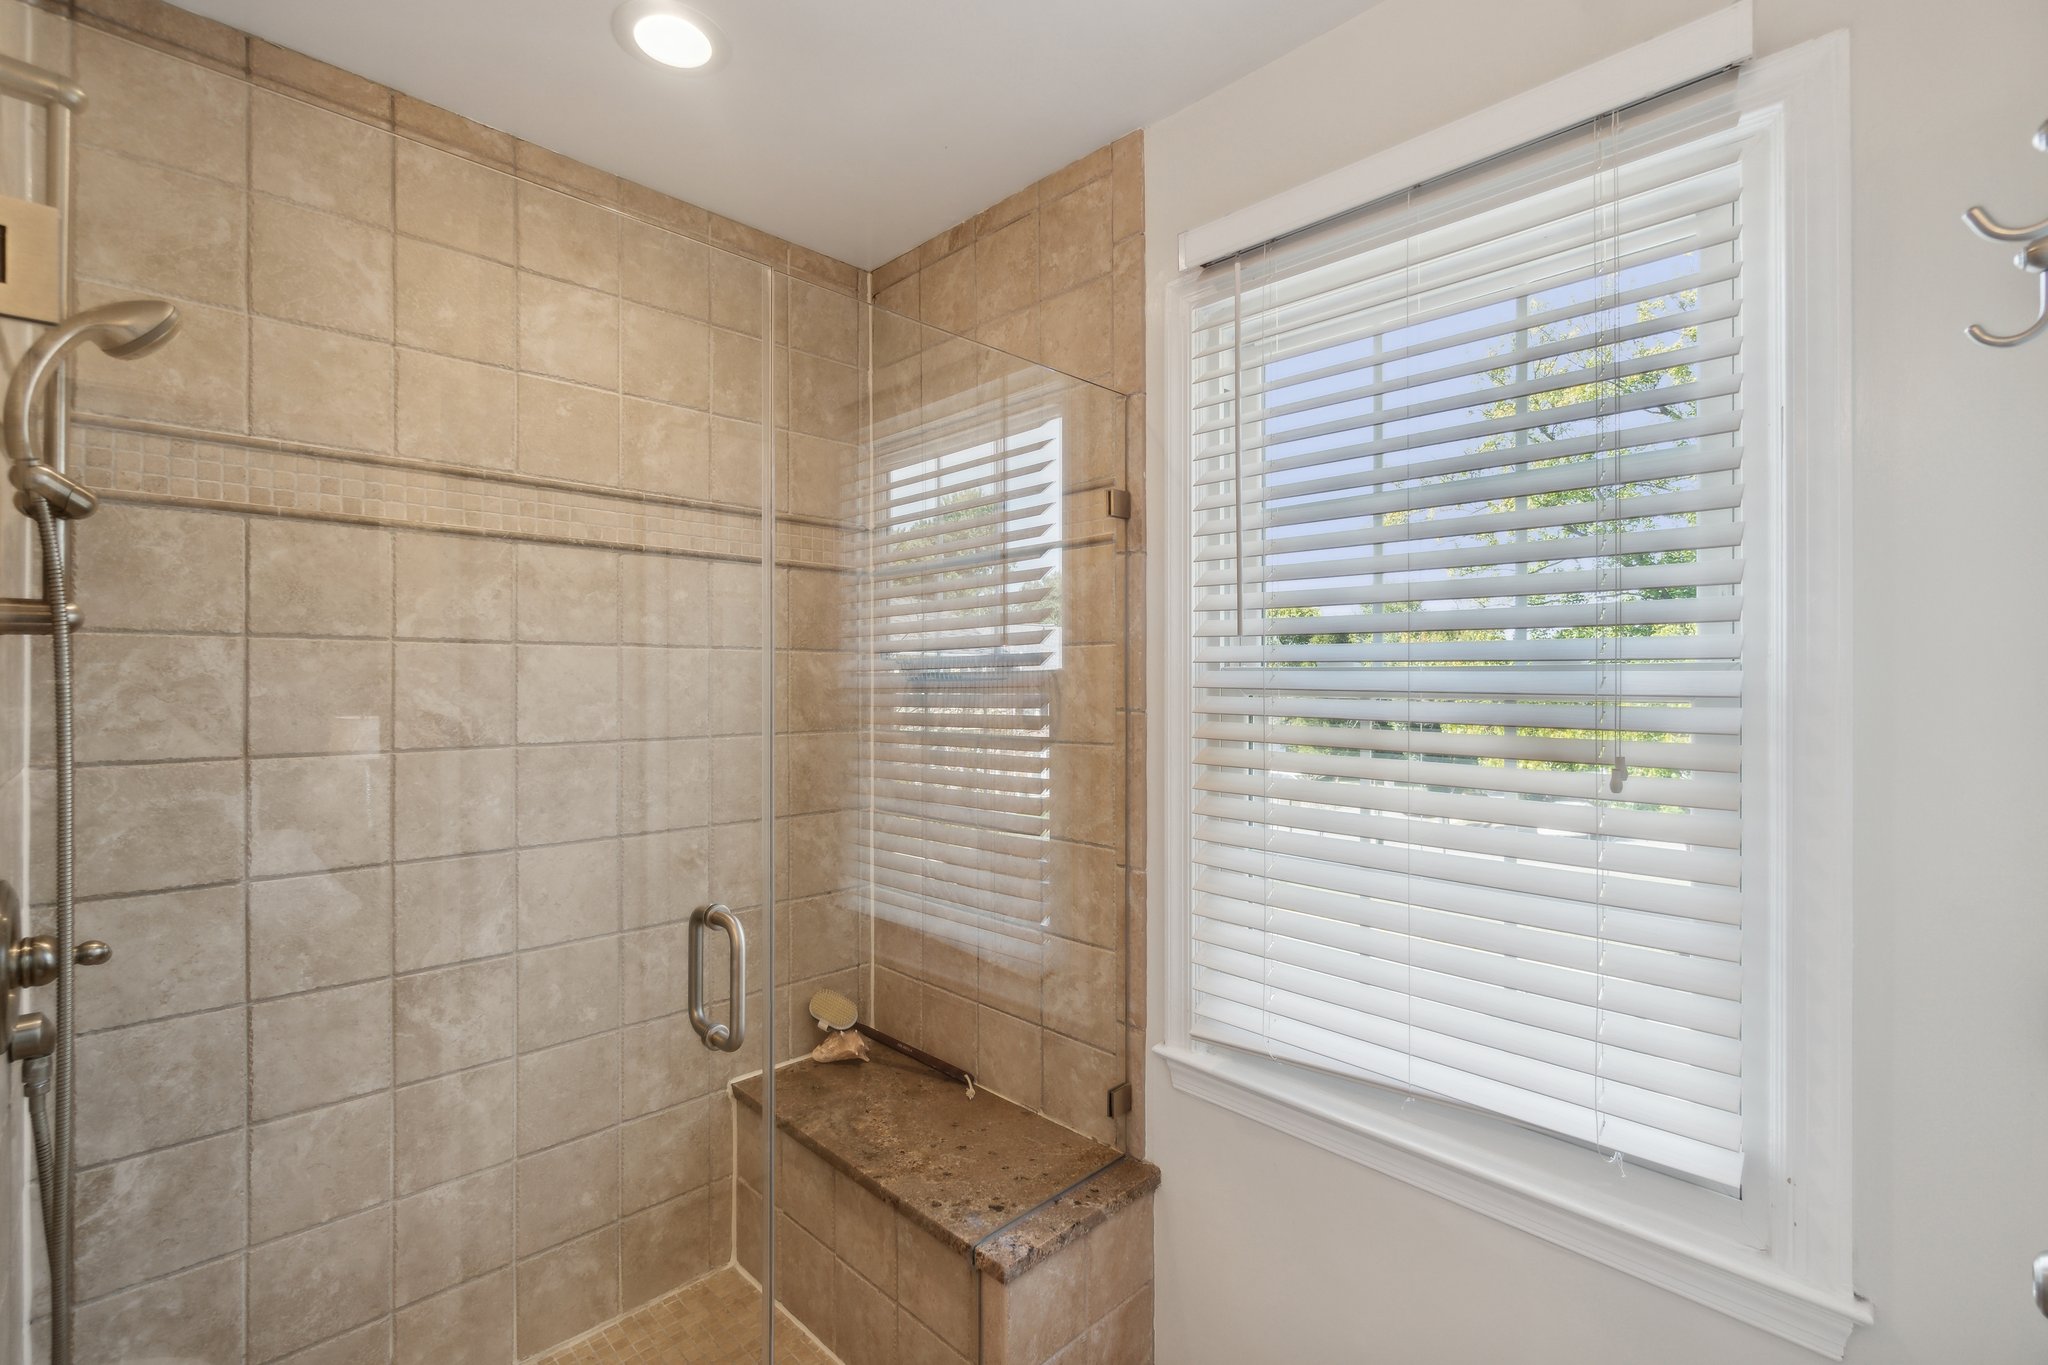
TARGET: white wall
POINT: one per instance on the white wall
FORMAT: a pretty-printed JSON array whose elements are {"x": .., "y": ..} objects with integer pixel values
[{"x": 1273, "y": 1251}]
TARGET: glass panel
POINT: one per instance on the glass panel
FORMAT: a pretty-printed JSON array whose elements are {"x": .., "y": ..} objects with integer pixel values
[
  {"x": 951, "y": 756},
  {"x": 425, "y": 662}
]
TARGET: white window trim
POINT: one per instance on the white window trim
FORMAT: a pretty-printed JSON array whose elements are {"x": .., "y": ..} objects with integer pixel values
[{"x": 1781, "y": 1260}]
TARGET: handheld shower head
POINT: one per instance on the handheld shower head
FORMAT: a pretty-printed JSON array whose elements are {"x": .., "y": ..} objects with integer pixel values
[
  {"x": 133, "y": 328},
  {"x": 124, "y": 330}
]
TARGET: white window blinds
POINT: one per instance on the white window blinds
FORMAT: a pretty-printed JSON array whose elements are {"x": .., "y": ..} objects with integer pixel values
[
  {"x": 1468, "y": 661},
  {"x": 961, "y": 634}
]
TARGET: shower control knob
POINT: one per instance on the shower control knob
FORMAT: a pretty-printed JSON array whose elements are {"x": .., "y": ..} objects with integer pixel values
[{"x": 32, "y": 961}]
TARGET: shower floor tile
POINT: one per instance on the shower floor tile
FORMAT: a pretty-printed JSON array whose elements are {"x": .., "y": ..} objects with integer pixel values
[{"x": 716, "y": 1321}]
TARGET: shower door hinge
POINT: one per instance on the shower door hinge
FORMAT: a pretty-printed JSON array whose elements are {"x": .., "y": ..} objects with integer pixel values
[
  {"x": 1120, "y": 1100},
  {"x": 1118, "y": 503}
]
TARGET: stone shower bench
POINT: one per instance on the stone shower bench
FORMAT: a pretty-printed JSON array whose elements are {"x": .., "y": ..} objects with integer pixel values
[{"x": 1050, "y": 1231}]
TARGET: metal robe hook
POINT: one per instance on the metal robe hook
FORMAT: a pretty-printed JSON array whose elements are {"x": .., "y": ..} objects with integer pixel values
[{"x": 2033, "y": 258}]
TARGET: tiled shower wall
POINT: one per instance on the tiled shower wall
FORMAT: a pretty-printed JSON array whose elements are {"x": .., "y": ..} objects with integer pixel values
[
  {"x": 448, "y": 800},
  {"x": 421, "y": 698}
]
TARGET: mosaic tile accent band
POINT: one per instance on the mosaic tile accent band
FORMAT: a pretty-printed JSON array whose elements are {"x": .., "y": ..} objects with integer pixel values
[{"x": 145, "y": 466}]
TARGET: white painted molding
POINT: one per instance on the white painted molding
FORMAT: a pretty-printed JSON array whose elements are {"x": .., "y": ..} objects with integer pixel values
[
  {"x": 1749, "y": 1289},
  {"x": 1721, "y": 39}
]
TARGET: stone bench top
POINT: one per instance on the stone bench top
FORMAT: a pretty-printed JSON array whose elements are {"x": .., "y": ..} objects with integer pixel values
[{"x": 988, "y": 1177}]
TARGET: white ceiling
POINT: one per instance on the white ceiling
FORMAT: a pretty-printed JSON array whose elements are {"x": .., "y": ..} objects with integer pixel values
[{"x": 855, "y": 127}]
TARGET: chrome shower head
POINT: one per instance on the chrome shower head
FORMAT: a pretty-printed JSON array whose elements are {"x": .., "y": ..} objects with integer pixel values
[{"x": 124, "y": 330}]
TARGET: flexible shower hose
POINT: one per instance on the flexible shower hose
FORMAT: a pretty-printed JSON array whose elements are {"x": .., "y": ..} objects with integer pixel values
[{"x": 53, "y": 1139}]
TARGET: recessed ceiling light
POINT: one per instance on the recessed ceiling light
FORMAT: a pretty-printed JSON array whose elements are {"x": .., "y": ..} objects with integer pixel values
[{"x": 669, "y": 35}]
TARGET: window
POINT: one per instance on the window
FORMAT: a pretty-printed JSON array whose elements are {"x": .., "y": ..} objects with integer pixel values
[
  {"x": 961, "y": 637},
  {"x": 1501, "y": 509}
]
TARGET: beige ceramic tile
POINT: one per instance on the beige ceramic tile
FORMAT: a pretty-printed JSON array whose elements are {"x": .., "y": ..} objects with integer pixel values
[
  {"x": 471, "y": 1325},
  {"x": 155, "y": 1214},
  {"x": 451, "y": 1019},
  {"x": 1127, "y": 188},
  {"x": 567, "y": 1291},
  {"x": 455, "y": 303},
  {"x": 1076, "y": 331},
  {"x": 454, "y": 801},
  {"x": 665, "y": 449},
  {"x": 568, "y": 595},
  {"x": 568, "y": 992},
  {"x": 567, "y": 891},
  {"x": 1007, "y": 270},
  {"x": 326, "y": 930},
  {"x": 452, "y": 1126},
  {"x": 665, "y": 356},
  {"x": 196, "y": 1315},
  {"x": 938, "y": 1286},
  {"x": 319, "y": 696},
  {"x": 156, "y": 826},
  {"x": 568, "y": 238},
  {"x": 454, "y": 201},
  {"x": 1074, "y": 238},
  {"x": 320, "y": 159},
  {"x": 202, "y": 380},
  {"x": 949, "y": 292},
  {"x": 568, "y": 1191},
  {"x": 568, "y": 791},
  {"x": 315, "y": 1167},
  {"x": 736, "y": 379},
  {"x": 671, "y": 1244},
  {"x": 568, "y": 693},
  {"x": 319, "y": 1283},
  {"x": 312, "y": 814},
  {"x": 310, "y": 1050},
  {"x": 568, "y": 331},
  {"x": 183, "y": 951},
  {"x": 153, "y": 105},
  {"x": 319, "y": 387},
  {"x": 318, "y": 269},
  {"x": 567, "y": 432},
  {"x": 155, "y": 1084},
  {"x": 151, "y": 228},
  {"x": 147, "y": 697},
  {"x": 275, "y": 67},
  {"x": 178, "y": 570},
  {"x": 666, "y": 270},
  {"x": 454, "y": 587},
  {"x": 568, "y": 1091},
  {"x": 737, "y": 300},
  {"x": 454, "y": 1233},
  {"x": 454, "y": 909},
  {"x": 452, "y": 695},
  {"x": 669, "y": 1154}
]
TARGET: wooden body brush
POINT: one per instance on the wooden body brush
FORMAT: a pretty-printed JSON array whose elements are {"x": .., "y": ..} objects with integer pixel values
[{"x": 834, "y": 1011}]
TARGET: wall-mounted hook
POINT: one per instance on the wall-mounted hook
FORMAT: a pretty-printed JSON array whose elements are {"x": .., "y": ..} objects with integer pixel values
[{"x": 2033, "y": 259}]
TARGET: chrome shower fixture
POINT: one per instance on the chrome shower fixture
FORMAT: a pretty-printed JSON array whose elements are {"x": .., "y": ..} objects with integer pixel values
[
  {"x": 124, "y": 330},
  {"x": 49, "y": 1049}
]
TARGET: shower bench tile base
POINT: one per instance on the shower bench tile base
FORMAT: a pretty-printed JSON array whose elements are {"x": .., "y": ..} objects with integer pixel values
[{"x": 915, "y": 1224}]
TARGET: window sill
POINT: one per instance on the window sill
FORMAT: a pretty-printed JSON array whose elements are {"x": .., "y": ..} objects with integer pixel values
[{"x": 1742, "y": 1283}]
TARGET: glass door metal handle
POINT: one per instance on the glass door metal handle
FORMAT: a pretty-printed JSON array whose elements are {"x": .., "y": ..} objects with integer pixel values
[{"x": 723, "y": 1037}]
